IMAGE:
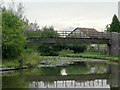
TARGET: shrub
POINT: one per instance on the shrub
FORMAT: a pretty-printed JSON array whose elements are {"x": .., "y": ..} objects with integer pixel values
[
  {"x": 64, "y": 52},
  {"x": 29, "y": 50},
  {"x": 48, "y": 49},
  {"x": 76, "y": 47}
]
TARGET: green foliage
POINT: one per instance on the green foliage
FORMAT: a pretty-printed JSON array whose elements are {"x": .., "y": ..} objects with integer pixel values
[
  {"x": 76, "y": 47},
  {"x": 49, "y": 32},
  {"x": 115, "y": 25},
  {"x": 64, "y": 52},
  {"x": 53, "y": 49},
  {"x": 48, "y": 49},
  {"x": 26, "y": 59},
  {"x": 13, "y": 39},
  {"x": 30, "y": 59},
  {"x": 29, "y": 50}
]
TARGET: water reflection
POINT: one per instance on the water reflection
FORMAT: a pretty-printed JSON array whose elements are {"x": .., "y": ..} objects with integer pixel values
[
  {"x": 93, "y": 70},
  {"x": 98, "y": 83},
  {"x": 80, "y": 75},
  {"x": 63, "y": 72}
]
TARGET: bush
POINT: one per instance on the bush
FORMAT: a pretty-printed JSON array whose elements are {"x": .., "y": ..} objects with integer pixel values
[
  {"x": 64, "y": 52},
  {"x": 53, "y": 49},
  {"x": 31, "y": 59},
  {"x": 48, "y": 49},
  {"x": 29, "y": 50},
  {"x": 76, "y": 47}
]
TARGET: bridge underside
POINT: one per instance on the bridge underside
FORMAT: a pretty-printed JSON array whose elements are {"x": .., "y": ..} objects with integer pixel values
[{"x": 70, "y": 40}]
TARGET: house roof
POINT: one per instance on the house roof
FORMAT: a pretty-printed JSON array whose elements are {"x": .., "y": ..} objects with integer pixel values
[
  {"x": 84, "y": 30},
  {"x": 88, "y": 31}
]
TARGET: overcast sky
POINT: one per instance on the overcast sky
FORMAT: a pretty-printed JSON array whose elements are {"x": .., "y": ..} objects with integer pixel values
[
  {"x": 69, "y": 15},
  {"x": 64, "y": 0}
]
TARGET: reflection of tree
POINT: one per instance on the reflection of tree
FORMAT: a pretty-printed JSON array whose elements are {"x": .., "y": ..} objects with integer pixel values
[
  {"x": 80, "y": 68},
  {"x": 100, "y": 67},
  {"x": 14, "y": 82},
  {"x": 50, "y": 71}
]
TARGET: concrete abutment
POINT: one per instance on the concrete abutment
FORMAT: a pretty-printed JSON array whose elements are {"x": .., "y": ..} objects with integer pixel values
[{"x": 113, "y": 49}]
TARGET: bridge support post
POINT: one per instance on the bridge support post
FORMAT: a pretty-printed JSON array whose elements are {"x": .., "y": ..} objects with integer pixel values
[
  {"x": 108, "y": 49},
  {"x": 113, "y": 49}
]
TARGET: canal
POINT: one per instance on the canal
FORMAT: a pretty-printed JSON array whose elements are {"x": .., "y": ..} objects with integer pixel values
[{"x": 84, "y": 74}]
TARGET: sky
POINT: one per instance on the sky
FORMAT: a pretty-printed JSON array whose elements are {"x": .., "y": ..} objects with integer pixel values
[
  {"x": 70, "y": 14},
  {"x": 64, "y": 0}
]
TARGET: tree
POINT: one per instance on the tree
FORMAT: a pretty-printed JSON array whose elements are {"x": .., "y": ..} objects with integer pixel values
[
  {"x": 13, "y": 39},
  {"x": 49, "y": 32},
  {"x": 48, "y": 49},
  {"x": 115, "y": 25}
]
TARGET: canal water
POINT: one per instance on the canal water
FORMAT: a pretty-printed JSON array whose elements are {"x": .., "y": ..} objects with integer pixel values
[{"x": 79, "y": 75}]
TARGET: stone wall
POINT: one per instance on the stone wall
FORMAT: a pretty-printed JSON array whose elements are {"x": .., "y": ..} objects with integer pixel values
[{"x": 114, "y": 47}]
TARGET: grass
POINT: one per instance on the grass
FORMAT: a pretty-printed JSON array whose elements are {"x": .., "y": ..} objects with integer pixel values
[
  {"x": 10, "y": 63},
  {"x": 93, "y": 55},
  {"x": 27, "y": 59}
]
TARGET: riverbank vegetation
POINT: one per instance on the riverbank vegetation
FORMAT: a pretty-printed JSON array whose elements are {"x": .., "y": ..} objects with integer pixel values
[
  {"x": 65, "y": 57},
  {"x": 15, "y": 51},
  {"x": 94, "y": 55},
  {"x": 28, "y": 60}
]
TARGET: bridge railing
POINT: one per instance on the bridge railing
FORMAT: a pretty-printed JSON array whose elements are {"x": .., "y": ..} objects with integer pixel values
[{"x": 69, "y": 34}]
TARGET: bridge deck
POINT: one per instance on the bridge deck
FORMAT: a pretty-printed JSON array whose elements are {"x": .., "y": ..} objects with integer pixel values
[{"x": 70, "y": 40}]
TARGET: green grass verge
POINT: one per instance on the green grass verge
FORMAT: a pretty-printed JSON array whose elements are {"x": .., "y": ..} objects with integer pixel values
[{"x": 93, "y": 55}]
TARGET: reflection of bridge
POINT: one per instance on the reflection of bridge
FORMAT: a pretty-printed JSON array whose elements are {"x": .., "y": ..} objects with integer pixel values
[
  {"x": 111, "y": 39},
  {"x": 82, "y": 77},
  {"x": 73, "y": 81},
  {"x": 70, "y": 84}
]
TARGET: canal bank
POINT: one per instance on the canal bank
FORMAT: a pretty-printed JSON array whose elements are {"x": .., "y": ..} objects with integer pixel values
[{"x": 50, "y": 61}]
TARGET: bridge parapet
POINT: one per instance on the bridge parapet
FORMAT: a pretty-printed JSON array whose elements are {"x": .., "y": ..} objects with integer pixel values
[{"x": 68, "y": 34}]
